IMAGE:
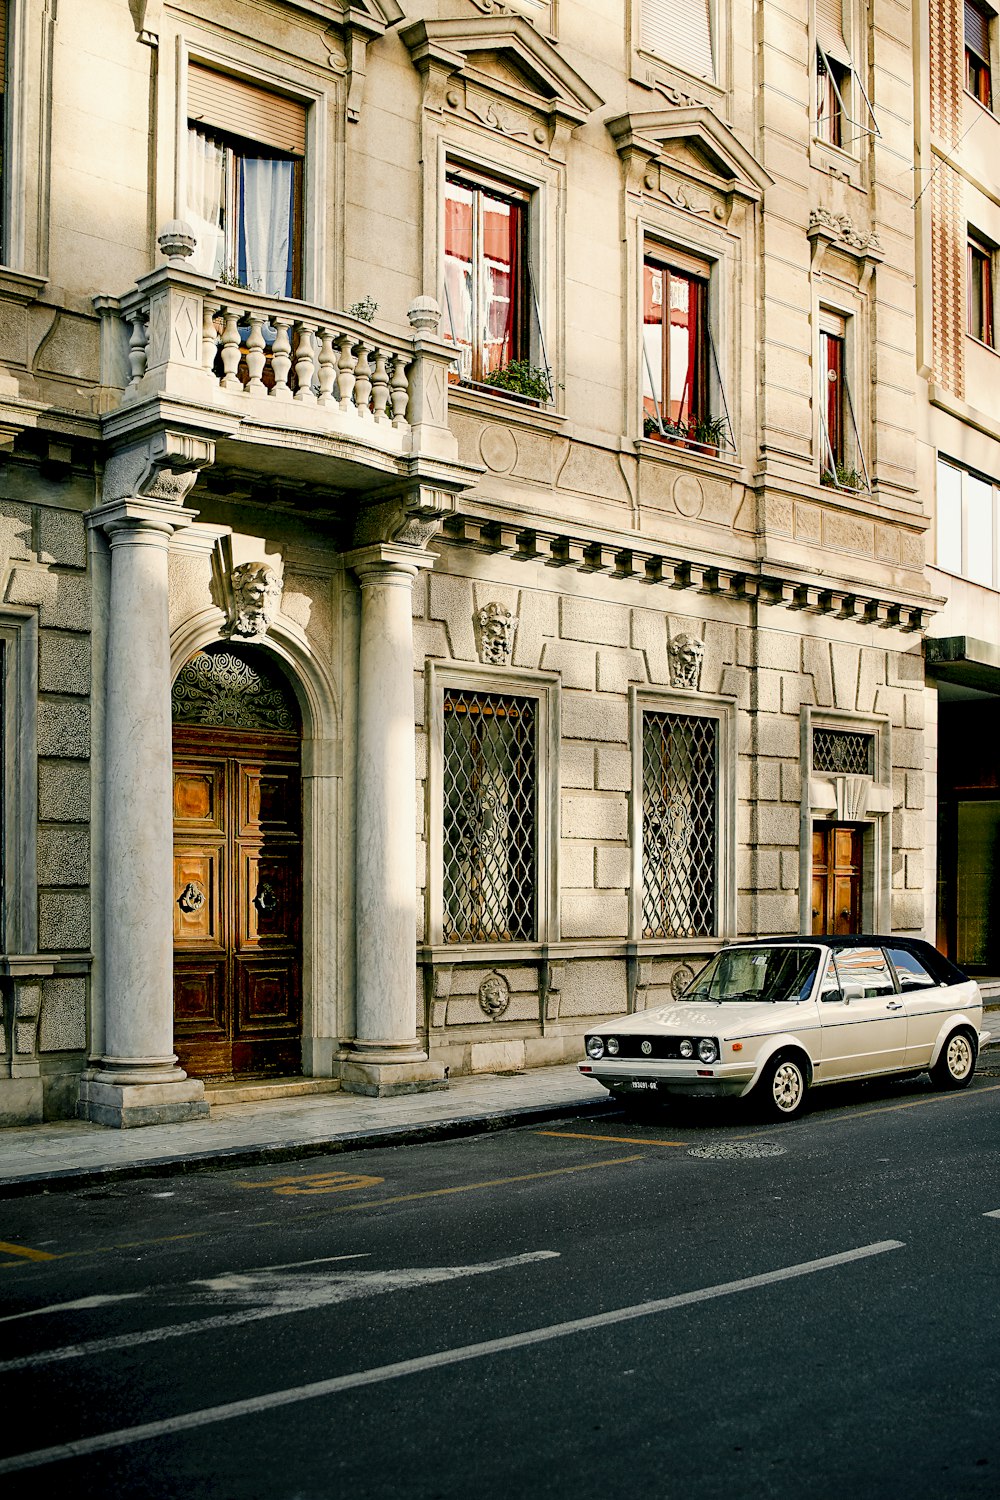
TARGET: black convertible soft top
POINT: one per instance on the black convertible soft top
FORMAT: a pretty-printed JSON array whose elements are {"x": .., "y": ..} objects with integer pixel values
[{"x": 941, "y": 969}]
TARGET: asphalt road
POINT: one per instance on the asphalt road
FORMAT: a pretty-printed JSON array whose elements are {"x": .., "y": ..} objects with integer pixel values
[{"x": 692, "y": 1305}]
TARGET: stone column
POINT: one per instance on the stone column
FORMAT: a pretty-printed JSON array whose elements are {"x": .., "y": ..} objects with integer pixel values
[
  {"x": 136, "y": 1081},
  {"x": 385, "y": 1056}
]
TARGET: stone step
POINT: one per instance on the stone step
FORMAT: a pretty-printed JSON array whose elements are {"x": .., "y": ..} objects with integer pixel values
[{"x": 254, "y": 1090}]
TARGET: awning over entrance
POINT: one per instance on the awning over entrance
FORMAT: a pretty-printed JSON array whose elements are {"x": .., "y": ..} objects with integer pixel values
[{"x": 965, "y": 661}]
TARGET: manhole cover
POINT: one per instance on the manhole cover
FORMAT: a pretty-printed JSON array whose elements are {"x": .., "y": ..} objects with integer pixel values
[{"x": 728, "y": 1150}]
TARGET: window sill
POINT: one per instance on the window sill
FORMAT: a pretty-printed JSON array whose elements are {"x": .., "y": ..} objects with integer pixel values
[
  {"x": 982, "y": 344},
  {"x": 516, "y": 410},
  {"x": 984, "y": 107},
  {"x": 686, "y": 452},
  {"x": 19, "y": 286},
  {"x": 974, "y": 583}
]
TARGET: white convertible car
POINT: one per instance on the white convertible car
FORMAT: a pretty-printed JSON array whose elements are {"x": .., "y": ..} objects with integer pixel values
[{"x": 775, "y": 1018}]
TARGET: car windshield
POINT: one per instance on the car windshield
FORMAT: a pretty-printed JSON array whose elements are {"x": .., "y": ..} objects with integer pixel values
[{"x": 776, "y": 974}]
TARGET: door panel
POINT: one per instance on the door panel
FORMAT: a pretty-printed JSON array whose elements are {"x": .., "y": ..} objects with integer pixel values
[
  {"x": 865, "y": 1035},
  {"x": 837, "y": 882},
  {"x": 237, "y": 902}
]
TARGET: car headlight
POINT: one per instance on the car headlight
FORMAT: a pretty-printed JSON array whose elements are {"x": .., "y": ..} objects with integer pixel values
[
  {"x": 612, "y": 1045},
  {"x": 686, "y": 1048},
  {"x": 595, "y": 1047},
  {"x": 707, "y": 1050}
]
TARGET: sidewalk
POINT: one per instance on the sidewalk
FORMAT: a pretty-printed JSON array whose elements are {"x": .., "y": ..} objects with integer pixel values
[{"x": 70, "y": 1153}]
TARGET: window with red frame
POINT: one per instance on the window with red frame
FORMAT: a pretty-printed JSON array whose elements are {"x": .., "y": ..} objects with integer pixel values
[
  {"x": 980, "y": 292},
  {"x": 831, "y": 362},
  {"x": 832, "y": 84},
  {"x": 486, "y": 284},
  {"x": 978, "y": 74},
  {"x": 676, "y": 348}
]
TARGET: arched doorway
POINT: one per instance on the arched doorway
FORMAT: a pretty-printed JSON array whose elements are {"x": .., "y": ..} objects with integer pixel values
[{"x": 237, "y": 910}]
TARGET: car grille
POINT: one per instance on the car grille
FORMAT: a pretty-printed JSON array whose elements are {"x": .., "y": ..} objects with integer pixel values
[{"x": 659, "y": 1046}]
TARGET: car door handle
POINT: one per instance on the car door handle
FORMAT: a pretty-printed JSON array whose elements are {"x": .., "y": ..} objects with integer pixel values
[{"x": 895, "y": 1005}]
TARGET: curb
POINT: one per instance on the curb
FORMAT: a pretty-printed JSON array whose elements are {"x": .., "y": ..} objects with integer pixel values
[{"x": 69, "y": 1178}]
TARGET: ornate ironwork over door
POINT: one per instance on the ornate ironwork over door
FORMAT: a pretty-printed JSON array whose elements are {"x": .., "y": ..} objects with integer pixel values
[{"x": 237, "y": 867}]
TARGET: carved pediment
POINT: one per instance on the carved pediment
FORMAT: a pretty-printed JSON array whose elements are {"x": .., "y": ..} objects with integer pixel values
[
  {"x": 503, "y": 55},
  {"x": 693, "y": 142}
]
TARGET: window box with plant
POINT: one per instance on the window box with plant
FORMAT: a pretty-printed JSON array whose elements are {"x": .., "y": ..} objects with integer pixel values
[
  {"x": 681, "y": 379},
  {"x": 519, "y": 377}
]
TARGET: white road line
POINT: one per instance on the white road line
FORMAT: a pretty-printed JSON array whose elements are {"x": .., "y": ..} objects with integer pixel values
[
  {"x": 127, "y": 1436},
  {"x": 994, "y": 1213},
  {"x": 274, "y": 1297}
]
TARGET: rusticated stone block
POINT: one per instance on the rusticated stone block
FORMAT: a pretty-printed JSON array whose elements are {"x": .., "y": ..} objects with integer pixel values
[
  {"x": 15, "y": 532},
  {"x": 617, "y": 670},
  {"x": 777, "y": 736},
  {"x": 63, "y": 856},
  {"x": 587, "y": 717},
  {"x": 450, "y": 601},
  {"x": 63, "y": 920},
  {"x": 614, "y": 769},
  {"x": 62, "y": 538},
  {"x": 576, "y": 865},
  {"x": 536, "y": 621},
  {"x": 576, "y": 664},
  {"x": 844, "y": 661},
  {"x": 816, "y": 662},
  {"x": 64, "y": 663},
  {"x": 589, "y": 620},
  {"x": 64, "y": 791},
  {"x": 775, "y": 823},
  {"x": 64, "y": 1015},
  {"x": 649, "y": 635},
  {"x": 614, "y": 868},
  {"x": 594, "y": 988},
  {"x": 599, "y": 915},
  {"x": 594, "y": 816},
  {"x": 63, "y": 728},
  {"x": 576, "y": 765},
  {"x": 778, "y": 650}
]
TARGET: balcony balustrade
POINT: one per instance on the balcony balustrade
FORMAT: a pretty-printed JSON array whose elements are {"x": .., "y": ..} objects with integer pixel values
[{"x": 277, "y": 366}]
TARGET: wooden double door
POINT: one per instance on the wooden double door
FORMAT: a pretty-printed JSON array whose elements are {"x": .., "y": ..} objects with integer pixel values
[
  {"x": 837, "y": 877},
  {"x": 237, "y": 902}
]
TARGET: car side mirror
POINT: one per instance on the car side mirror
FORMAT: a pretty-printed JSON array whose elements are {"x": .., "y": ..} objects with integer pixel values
[{"x": 845, "y": 994}]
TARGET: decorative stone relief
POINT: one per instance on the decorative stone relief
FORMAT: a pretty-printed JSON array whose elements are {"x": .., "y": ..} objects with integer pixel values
[
  {"x": 852, "y": 797},
  {"x": 255, "y": 590},
  {"x": 412, "y": 518},
  {"x": 494, "y": 995},
  {"x": 498, "y": 449},
  {"x": 686, "y": 656},
  {"x": 680, "y": 979},
  {"x": 164, "y": 468},
  {"x": 840, "y": 227},
  {"x": 496, "y": 626},
  {"x": 682, "y": 197}
]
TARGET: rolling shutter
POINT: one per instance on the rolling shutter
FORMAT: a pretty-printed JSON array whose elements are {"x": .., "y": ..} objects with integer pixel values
[
  {"x": 680, "y": 31},
  {"x": 830, "y": 30},
  {"x": 977, "y": 31},
  {"x": 223, "y": 103},
  {"x": 3, "y": 44}
]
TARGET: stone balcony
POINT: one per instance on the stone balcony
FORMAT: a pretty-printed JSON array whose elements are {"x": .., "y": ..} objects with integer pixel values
[{"x": 298, "y": 394}]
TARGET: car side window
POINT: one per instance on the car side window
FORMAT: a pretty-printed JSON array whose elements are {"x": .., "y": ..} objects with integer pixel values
[
  {"x": 829, "y": 988},
  {"x": 910, "y": 971},
  {"x": 867, "y": 967}
]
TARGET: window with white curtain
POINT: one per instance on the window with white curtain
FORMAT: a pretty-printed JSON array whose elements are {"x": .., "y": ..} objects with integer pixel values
[
  {"x": 968, "y": 525},
  {"x": 245, "y": 156},
  {"x": 680, "y": 31}
]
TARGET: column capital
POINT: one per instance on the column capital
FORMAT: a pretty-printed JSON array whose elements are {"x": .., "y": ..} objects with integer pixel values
[
  {"x": 139, "y": 515},
  {"x": 382, "y": 560}
]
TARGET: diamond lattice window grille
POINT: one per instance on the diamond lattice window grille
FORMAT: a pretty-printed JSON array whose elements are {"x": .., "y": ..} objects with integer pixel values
[
  {"x": 843, "y": 752},
  {"x": 489, "y": 817},
  {"x": 679, "y": 818}
]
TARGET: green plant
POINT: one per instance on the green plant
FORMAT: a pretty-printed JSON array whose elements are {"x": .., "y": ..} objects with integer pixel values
[
  {"x": 365, "y": 310},
  {"x": 843, "y": 478},
  {"x": 710, "y": 432},
  {"x": 523, "y": 378},
  {"x": 675, "y": 431}
]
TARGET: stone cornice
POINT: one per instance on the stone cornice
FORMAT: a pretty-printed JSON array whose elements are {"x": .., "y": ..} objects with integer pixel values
[{"x": 645, "y": 564}]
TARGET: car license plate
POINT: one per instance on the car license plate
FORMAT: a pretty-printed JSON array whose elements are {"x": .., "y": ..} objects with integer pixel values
[{"x": 644, "y": 1084}]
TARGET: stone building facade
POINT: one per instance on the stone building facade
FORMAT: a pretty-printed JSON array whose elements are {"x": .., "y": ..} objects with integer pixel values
[
  {"x": 463, "y": 552},
  {"x": 958, "y": 455}
]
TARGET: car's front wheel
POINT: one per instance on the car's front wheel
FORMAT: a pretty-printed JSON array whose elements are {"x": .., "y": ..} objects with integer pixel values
[
  {"x": 957, "y": 1063},
  {"x": 781, "y": 1089}
]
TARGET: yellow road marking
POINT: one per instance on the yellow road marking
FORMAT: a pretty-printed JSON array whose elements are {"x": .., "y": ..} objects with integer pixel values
[
  {"x": 622, "y": 1140},
  {"x": 316, "y": 1182},
  {"x": 471, "y": 1187},
  {"x": 26, "y": 1252}
]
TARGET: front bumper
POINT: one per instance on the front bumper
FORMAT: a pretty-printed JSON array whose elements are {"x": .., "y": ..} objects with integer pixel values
[{"x": 722, "y": 1080}]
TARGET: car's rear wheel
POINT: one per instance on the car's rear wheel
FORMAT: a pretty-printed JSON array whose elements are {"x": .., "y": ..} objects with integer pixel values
[
  {"x": 957, "y": 1063},
  {"x": 781, "y": 1090}
]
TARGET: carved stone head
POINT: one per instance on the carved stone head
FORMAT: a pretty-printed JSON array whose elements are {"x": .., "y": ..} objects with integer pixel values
[
  {"x": 496, "y": 633},
  {"x": 256, "y": 597},
  {"x": 686, "y": 655}
]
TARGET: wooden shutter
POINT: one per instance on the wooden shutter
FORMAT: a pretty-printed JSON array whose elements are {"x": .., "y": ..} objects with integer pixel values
[
  {"x": 680, "y": 31},
  {"x": 230, "y": 104},
  {"x": 830, "y": 30}
]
